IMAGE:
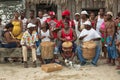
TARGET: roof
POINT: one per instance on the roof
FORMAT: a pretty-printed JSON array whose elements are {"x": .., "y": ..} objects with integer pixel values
[{"x": 47, "y": 1}]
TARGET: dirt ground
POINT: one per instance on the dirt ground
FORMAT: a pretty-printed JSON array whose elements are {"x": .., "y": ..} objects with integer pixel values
[{"x": 15, "y": 71}]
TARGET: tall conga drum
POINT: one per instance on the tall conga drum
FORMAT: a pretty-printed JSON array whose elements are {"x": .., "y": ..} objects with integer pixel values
[
  {"x": 67, "y": 48},
  {"x": 89, "y": 49},
  {"x": 47, "y": 49}
]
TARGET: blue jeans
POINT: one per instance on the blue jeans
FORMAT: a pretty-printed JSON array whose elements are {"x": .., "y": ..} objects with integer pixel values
[
  {"x": 94, "y": 60},
  {"x": 10, "y": 45}
]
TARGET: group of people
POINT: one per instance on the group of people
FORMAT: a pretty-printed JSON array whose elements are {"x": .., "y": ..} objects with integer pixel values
[{"x": 103, "y": 29}]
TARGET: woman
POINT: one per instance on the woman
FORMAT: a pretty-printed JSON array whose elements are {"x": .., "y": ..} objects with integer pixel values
[
  {"x": 92, "y": 19},
  {"x": 17, "y": 29},
  {"x": 102, "y": 31},
  {"x": 9, "y": 39}
]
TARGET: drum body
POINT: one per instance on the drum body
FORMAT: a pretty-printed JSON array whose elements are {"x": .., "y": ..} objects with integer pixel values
[
  {"x": 89, "y": 49},
  {"x": 47, "y": 49}
]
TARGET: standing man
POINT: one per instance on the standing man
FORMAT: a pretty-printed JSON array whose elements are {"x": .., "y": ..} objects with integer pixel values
[
  {"x": 34, "y": 20},
  {"x": 110, "y": 38},
  {"x": 76, "y": 21},
  {"x": 24, "y": 20},
  {"x": 28, "y": 42},
  {"x": 54, "y": 27},
  {"x": 66, "y": 17},
  {"x": 84, "y": 18},
  {"x": 53, "y": 23},
  {"x": 40, "y": 17}
]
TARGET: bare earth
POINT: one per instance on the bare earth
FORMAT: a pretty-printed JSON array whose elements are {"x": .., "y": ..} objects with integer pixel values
[{"x": 16, "y": 71}]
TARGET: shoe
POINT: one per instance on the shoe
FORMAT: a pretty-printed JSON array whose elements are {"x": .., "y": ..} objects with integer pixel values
[
  {"x": 34, "y": 64},
  {"x": 83, "y": 63},
  {"x": 94, "y": 64},
  {"x": 25, "y": 64}
]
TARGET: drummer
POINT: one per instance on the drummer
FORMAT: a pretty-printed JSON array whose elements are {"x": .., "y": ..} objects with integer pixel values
[
  {"x": 89, "y": 34},
  {"x": 67, "y": 34}
]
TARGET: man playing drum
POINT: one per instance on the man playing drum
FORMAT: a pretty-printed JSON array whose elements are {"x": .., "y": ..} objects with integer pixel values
[
  {"x": 86, "y": 35},
  {"x": 67, "y": 34}
]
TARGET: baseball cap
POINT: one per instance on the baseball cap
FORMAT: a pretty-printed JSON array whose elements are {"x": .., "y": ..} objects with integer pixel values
[
  {"x": 30, "y": 25},
  {"x": 110, "y": 13},
  {"x": 77, "y": 14},
  {"x": 84, "y": 12},
  {"x": 87, "y": 23}
]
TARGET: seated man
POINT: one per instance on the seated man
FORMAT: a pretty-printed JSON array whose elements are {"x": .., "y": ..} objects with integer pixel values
[
  {"x": 64, "y": 35},
  {"x": 9, "y": 40},
  {"x": 28, "y": 42},
  {"x": 89, "y": 34}
]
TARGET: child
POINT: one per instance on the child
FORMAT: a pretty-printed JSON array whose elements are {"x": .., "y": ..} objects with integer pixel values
[{"x": 46, "y": 35}]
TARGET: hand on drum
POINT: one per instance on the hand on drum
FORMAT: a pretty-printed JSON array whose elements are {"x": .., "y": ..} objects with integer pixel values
[
  {"x": 43, "y": 37},
  {"x": 85, "y": 35},
  {"x": 64, "y": 39},
  {"x": 49, "y": 37}
]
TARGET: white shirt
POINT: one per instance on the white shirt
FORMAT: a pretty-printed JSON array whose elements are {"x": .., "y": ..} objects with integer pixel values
[
  {"x": 99, "y": 23},
  {"x": 47, "y": 34},
  {"x": 24, "y": 22},
  {"x": 42, "y": 20},
  {"x": 118, "y": 35},
  {"x": 76, "y": 28},
  {"x": 91, "y": 34}
]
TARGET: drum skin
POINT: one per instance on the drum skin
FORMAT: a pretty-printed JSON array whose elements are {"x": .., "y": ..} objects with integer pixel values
[{"x": 67, "y": 46}]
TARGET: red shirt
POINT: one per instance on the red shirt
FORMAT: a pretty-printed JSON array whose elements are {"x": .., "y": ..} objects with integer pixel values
[
  {"x": 68, "y": 36},
  {"x": 71, "y": 23},
  {"x": 53, "y": 23}
]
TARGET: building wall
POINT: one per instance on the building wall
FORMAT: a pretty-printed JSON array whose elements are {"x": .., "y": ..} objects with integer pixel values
[
  {"x": 75, "y": 6},
  {"x": 7, "y": 9}
]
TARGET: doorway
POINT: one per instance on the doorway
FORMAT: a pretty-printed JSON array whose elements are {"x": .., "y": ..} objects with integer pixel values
[{"x": 46, "y": 7}]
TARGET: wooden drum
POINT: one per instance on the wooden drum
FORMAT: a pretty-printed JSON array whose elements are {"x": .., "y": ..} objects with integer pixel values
[
  {"x": 47, "y": 49},
  {"x": 67, "y": 46},
  {"x": 89, "y": 49}
]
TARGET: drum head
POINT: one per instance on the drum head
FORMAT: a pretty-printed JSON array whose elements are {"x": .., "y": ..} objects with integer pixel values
[{"x": 67, "y": 44}]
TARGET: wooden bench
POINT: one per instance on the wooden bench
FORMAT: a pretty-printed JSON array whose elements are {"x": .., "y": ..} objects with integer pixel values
[{"x": 10, "y": 52}]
